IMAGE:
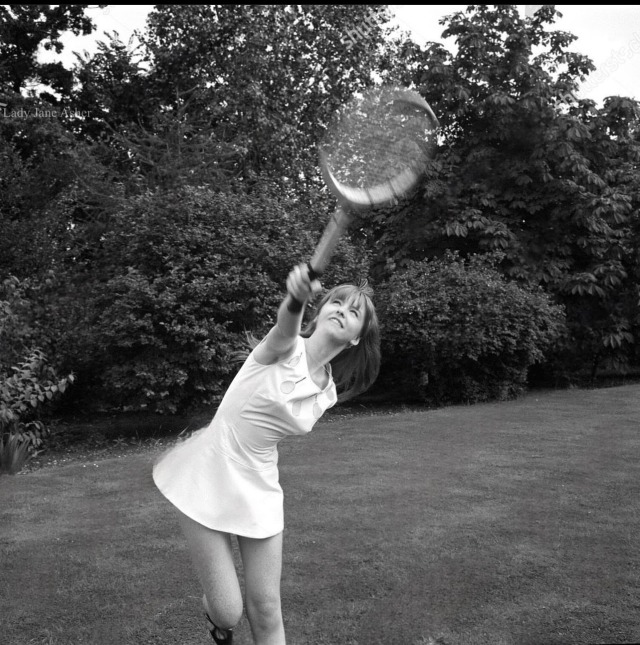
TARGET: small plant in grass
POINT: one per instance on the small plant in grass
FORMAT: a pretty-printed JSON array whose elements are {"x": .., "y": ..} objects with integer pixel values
[
  {"x": 13, "y": 454},
  {"x": 23, "y": 395}
]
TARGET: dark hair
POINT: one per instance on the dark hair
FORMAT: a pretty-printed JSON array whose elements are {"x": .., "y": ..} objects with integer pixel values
[{"x": 356, "y": 367}]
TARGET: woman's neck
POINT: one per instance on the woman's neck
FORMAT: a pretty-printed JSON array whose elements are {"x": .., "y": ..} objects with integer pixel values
[{"x": 320, "y": 352}]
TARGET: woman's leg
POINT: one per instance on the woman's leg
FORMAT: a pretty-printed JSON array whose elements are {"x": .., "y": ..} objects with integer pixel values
[
  {"x": 212, "y": 557},
  {"x": 262, "y": 562}
]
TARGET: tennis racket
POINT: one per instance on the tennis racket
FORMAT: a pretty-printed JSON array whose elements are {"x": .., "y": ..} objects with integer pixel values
[{"x": 374, "y": 153}]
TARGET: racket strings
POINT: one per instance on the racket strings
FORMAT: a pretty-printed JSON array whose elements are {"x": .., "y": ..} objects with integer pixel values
[{"x": 379, "y": 141}]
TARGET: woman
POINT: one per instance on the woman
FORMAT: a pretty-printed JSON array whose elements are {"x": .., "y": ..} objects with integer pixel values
[{"x": 224, "y": 479}]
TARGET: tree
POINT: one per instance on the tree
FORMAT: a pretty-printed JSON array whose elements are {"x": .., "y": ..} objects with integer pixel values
[
  {"x": 526, "y": 169},
  {"x": 602, "y": 296},
  {"x": 40, "y": 162},
  {"x": 23, "y": 30},
  {"x": 254, "y": 85},
  {"x": 183, "y": 136}
]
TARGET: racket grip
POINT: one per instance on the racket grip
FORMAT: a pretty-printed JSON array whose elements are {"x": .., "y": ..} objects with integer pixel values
[
  {"x": 313, "y": 274},
  {"x": 294, "y": 306},
  {"x": 337, "y": 225}
]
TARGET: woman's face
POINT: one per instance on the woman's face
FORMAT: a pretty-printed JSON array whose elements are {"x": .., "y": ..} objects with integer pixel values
[{"x": 343, "y": 318}]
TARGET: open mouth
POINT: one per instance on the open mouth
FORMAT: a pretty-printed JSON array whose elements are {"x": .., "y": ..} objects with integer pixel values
[{"x": 337, "y": 320}]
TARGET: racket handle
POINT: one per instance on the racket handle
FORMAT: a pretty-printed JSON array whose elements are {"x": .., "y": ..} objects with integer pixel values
[
  {"x": 294, "y": 306},
  {"x": 340, "y": 220}
]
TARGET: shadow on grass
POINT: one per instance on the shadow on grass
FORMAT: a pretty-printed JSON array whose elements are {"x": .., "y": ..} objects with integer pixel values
[{"x": 507, "y": 523}]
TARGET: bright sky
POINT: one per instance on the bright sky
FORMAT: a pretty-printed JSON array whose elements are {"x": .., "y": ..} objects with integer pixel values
[{"x": 608, "y": 34}]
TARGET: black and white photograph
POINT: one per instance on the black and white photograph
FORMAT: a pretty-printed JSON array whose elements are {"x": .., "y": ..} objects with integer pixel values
[{"x": 319, "y": 324}]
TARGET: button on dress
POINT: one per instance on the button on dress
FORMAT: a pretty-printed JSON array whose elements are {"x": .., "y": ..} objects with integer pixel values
[{"x": 225, "y": 476}]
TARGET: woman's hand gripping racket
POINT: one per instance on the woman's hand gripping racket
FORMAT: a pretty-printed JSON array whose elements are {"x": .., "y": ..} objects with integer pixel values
[{"x": 374, "y": 153}]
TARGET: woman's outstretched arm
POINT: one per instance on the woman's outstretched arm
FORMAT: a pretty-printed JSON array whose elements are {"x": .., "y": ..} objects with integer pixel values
[{"x": 282, "y": 337}]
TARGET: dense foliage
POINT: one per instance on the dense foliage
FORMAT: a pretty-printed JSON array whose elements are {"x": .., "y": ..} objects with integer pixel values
[
  {"x": 28, "y": 383},
  {"x": 145, "y": 229},
  {"x": 253, "y": 85},
  {"x": 459, "y": 331},
  {"x": 24, "y": 28},
  {"x": 528, "y": 169},
  {"x": 186, "y": 275}
]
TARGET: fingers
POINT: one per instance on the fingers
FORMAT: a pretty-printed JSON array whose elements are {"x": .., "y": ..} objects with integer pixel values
[{"x": 300, "y": 286}]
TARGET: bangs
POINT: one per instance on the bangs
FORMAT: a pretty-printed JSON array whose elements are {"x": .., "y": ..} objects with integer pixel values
[{"x": 359, "y": 296}]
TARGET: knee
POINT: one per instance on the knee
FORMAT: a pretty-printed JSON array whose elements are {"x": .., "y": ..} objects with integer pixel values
[
  {"x": 265, "y": 612},
  {"x": 226, "y": 614},
  {"x": 231, "y": 617}
]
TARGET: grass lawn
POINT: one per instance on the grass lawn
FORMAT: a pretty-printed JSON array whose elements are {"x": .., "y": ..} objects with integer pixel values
[{"x": 508, "y": 523}]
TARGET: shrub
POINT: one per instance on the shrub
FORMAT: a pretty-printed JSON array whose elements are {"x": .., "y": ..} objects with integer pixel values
[
  {"x": 186, "y": 273},
  {"x": 456, "y": 331},
  {"x": 23, "y": 395},
  {"x": 14, "y": 330}
]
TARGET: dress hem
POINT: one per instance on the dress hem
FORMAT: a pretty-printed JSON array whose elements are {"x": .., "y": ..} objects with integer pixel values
[{"x": 230, "y": 531}]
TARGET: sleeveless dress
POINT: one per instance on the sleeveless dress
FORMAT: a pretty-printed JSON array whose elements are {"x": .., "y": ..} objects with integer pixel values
[{"x": 225, "y": 476}]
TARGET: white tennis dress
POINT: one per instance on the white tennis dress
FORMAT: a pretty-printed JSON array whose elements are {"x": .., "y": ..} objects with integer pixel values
[{"x": 226, "y": 475}]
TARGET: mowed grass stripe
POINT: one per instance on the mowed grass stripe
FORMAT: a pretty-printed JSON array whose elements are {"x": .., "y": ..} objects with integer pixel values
[{"x": 511, "y": 522}]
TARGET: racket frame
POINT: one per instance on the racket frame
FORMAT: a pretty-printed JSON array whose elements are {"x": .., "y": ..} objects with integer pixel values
[{"x": 354, "y": 199}]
